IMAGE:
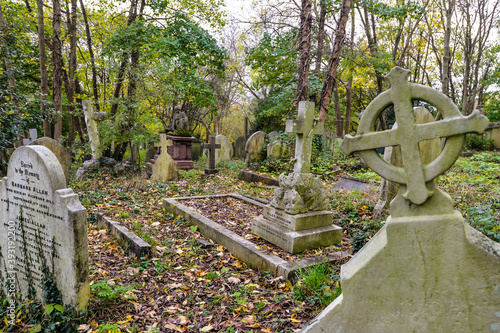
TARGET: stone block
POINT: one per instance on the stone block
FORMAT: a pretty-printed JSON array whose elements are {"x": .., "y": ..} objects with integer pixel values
[
  {"x": 296, "y": 241},
  {"x": 298, "y": 222}
]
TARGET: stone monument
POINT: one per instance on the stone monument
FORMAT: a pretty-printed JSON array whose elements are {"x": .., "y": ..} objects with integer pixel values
[
  {"x": 38, "y": 215},
  {"x": 254, "y": 147},
  {"x": 90, "y": 118},
  {"x": 63, "y": 154},
  {"x": 165, "y": 168},
  {"x": 211, "y": 148},
  {"x": 297, "y": 219},
  {"x": 33, "y": 136},
  {"x": 425, "y": 270}
]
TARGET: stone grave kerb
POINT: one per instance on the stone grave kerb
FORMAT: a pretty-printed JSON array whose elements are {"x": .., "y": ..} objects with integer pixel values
[
  {"x": 426, "y": 270},
  {"x": 304, "y": 127},
  {"x": 211, "y": 146}
]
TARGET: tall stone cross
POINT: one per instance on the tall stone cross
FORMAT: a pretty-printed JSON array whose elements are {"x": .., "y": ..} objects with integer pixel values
[
  {"x": 163, "y": 144},
  {"x": 33, "y": 137},
  {"x": 414, "y": 175},
  {"x": 211, "y": 152},
  {"x": 304, "y": 126},
  {"x": 90, "y": 119}
]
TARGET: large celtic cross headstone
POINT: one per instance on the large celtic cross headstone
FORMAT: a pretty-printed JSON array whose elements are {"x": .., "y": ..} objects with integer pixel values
[
  {"x": 408, "y": 134},
  {"x": 304, "y": 126}
]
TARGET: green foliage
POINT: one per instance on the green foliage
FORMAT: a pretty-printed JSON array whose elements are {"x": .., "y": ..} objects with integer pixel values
[
  {"x": 478, "y": 142},
  {"x": 317, "y": 284},
  {"x": 107, "y": 293},
  {"x": 483, "y": 219}
]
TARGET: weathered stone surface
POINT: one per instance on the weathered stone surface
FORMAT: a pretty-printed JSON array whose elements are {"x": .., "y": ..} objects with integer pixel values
[
  {"x": 297, "y": 222},
  {"x": 495, "y": 136},
  {"x": 90, "y": 119},
  {"x": 226, "y": 151},
  {"x": 273, "y": 135},
  {"x": 180, "y": 151},
  {"x": 165, "y": 168},
  {"x": 296, "y": 241},
  {"x": 256, "y": 178},
  {"x": 419, "y": 274},
  {"x": 37, "y": 210},
  {"x": 350, "y": 183},
  {"x": 62, "y": 154},
  {"x": 210, "y": 149},
  {"x": 239, "y": 147},
  {"x": 299, "y": 193},
  {"x": 254, "y": 146},
  {"x": 275, "y": 149}
]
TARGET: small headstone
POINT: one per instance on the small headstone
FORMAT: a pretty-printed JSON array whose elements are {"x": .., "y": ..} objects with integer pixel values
[
  {"x": 150, "y": 154},
  {"x": 426, "y": 270},
  {"x": 350, "y": 183},
  {"x": 275, "y": 149},
  {"x": 196, "y": 150},
  {"x": 63, "y": 155},
  {"x": 495, "y": 135},
  {"x": 239, "y": 147},
  {"x": 37, "y": 214},
  {"x": 165, "y": 168},
  {"x": 33, "y": 137},
  {"x": 254, "y": 147},
  {"x": 211, "y": 148},
  {"x": 297, "y": 219},
  {"x": 226, "y": 151},
  {"x": 271, "y": 136}
]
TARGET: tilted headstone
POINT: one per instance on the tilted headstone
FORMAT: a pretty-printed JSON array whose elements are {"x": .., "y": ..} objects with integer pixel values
[
  {"x": 90, "y": 118},
  {"x": 254, "y": 147},
  {"x": 425, "y": 270},
  {"x": 63, "y": 155},
  {"x": 150, "y": 154},
  {"x": 37, "y": 214},
  {"x": 275, "y": 149},
  {"x": 211, "y": 149},
  {"x": 165, "y": 168},
  {"x": 33, "y": 137},
  {"x": 297, "y": 219},
  {"x": 239, "y": 147}
]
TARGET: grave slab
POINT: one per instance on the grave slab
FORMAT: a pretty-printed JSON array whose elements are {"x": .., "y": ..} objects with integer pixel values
[
  {"x": 240, "y": 247},
  {"x": 37, "y": 214}
]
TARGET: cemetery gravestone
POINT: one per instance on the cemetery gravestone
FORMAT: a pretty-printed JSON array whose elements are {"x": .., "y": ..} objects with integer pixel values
[
  {"x": 165, "y": 168},
  {"x": 297, "y": 219},
  {"x": 90, "y": 118},
  {"x": 239, "y": 147},
  {"x": 180, "y": 151},
  {"x": 425, "y": 270},
  {"x": 211, "y": 148},
  {"x": 37, "y": 214},
  {"x": 196, "y": 150},
  {"x": 225, "y": 153},
  {"x": 33, "y": 137},
  {"x": 254, "y": 146},
  {"x": 63, "y": 155},
  {"x": 150, "y": 155}
]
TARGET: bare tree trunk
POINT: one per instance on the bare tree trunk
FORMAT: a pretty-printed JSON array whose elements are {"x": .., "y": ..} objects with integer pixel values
[
  {"x": 338, "y": 116},
  {"x": 70, "y": 87},
  {"x": 348, "y": 106},
  {"x": 57, "y": 68},
  {"x": 123, "y": 66},
  {"x": 445, "y": 78},
  {"x": 44, "y": 85},
  {"x": 331, "y": 72},
  {"x": 92, "y": 58},
  {"x": 320, "y": 46},
  {"x": 7, "y": 60},
  {"x": 304, "y": 51}
]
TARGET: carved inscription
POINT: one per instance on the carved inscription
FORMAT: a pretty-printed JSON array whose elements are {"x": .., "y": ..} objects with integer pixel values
[
  {"x": 277, "y": 218},
  {"x": 272, "y": 233},
  {"x": 30, "y": 207}
]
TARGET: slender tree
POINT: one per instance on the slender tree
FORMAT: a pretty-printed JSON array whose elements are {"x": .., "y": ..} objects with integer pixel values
[
  {"x": 304, "y": 51},
  {"x": 57, "y": 68},
  {"x": 44, "y": 85}
]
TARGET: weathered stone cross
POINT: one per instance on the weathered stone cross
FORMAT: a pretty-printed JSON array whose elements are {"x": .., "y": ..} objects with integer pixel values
[
  {"x": 90, "y": 119},
  {"x": 211, "y": 152},
  {"x": 163, "y": 143},
  {"x": 305, "y": 126},
  {"x": 408, "y": 134},
  {"x": 33, "y": 137}
]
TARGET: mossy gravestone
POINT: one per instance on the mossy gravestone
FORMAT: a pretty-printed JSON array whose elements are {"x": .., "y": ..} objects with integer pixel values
[
  {"x": 425, "y": 270},
  {"x": 38, "y": 214}
]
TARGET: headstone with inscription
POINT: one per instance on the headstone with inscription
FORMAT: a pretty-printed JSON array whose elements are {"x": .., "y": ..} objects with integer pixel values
[
  {"x": 297, "y": 218},
  {"x": 426, "y": 270},
  {"x": 38, "y": 215}
]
